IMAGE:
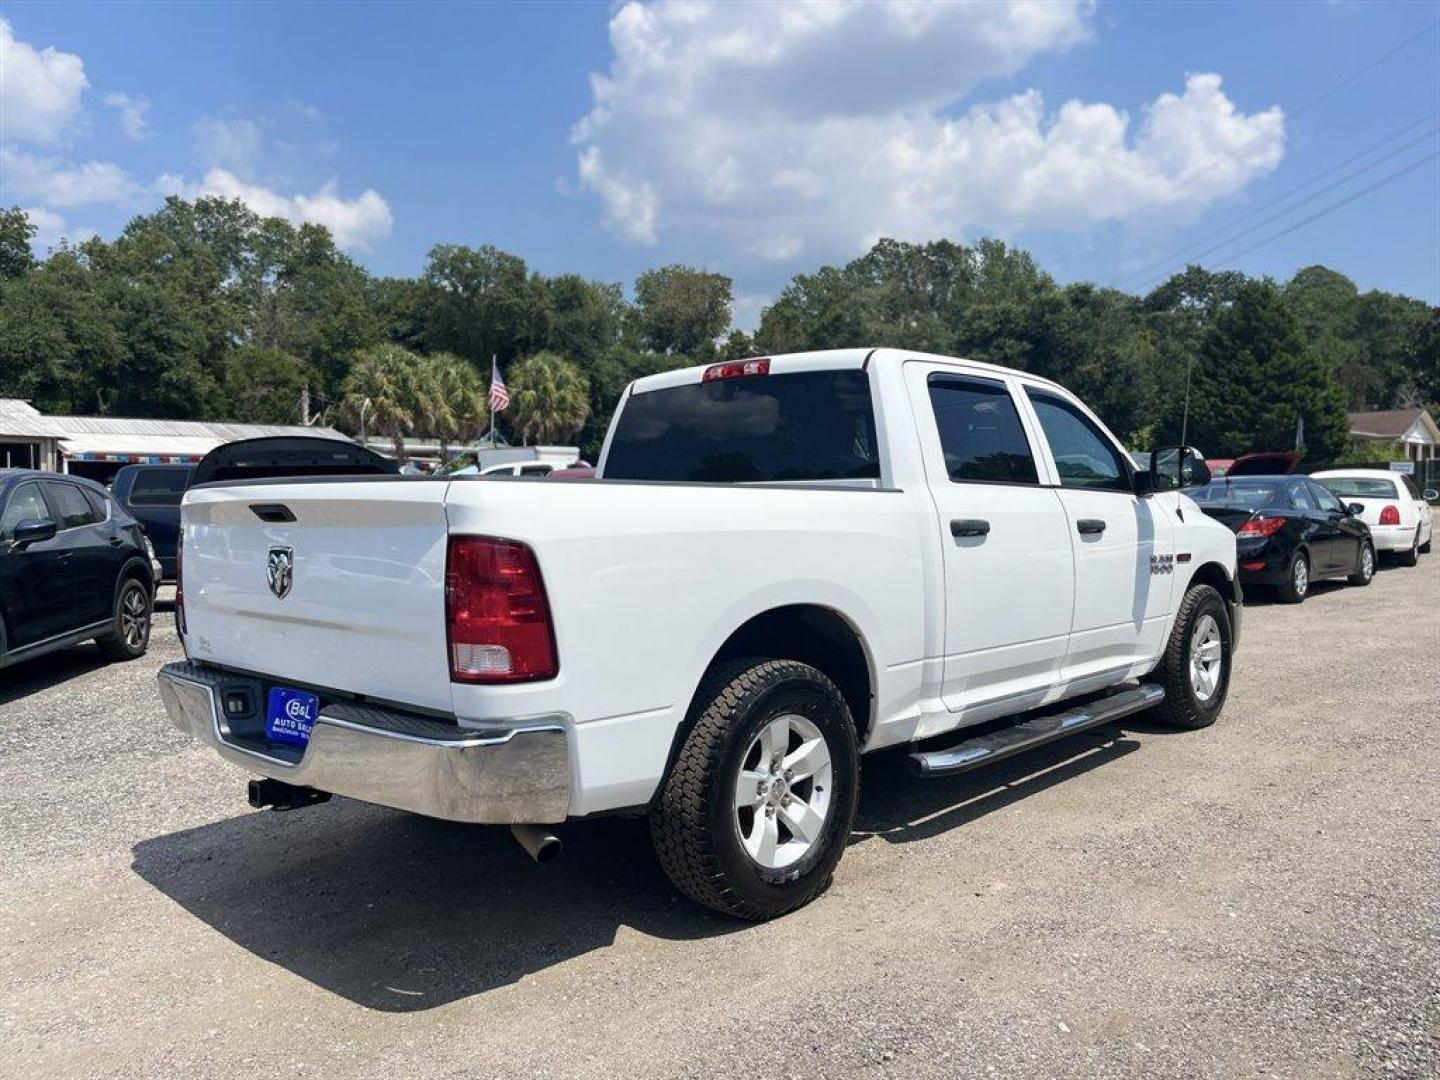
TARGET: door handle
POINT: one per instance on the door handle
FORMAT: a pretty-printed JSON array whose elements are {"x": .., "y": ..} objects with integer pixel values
[
  {"x": 969, "y": 527},
  {"x": 1090, "y": 526}
]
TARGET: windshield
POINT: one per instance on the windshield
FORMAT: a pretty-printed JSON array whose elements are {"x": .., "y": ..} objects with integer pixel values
[
  {"x": 1361, "y": 487},
  {"x": 1243, "y": 493},
  {"x": 811, "y": 425}
]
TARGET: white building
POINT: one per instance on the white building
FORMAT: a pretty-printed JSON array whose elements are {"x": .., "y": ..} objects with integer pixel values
[{"x": 96, "y": 446}]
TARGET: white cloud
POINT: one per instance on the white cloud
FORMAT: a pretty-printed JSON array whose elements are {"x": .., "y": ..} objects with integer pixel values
[
  {"x": 132, "y": 113},
  {"x": 56, "y": 182},
  {"x": 230, "y": 143},
  {"x": 787, "y": 130},
  {"x": 40, "y": 89},
  {"x": 49, "y": 227},
  {"x": 360, "y": 222}
]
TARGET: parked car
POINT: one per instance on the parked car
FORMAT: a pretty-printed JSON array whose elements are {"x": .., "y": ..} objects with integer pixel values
[
  {"x": 1290, "y": 531},
  {"x": 1395, "y": 509},
  {"x": 782, "y": 563},
  {"x": 151, "y": 495},
  {"x": 73, "y": 566}
]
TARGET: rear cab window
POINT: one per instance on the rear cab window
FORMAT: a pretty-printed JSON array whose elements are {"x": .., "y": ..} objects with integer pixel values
[
  {"x": 159, "y": 487},
  {"x": 793, "y": 427}
]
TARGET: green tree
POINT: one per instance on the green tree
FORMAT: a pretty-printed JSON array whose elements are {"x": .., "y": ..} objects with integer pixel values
[
  {"x": 451, "y": 400},
  {"x": 680, "y": 309},
  {"x": 1254, "y": 379},
  {"x": 550, "y": 398},
  {"x": 16, "y": 233},
  {"x": 379, "y": 394},
  {"x": 481, "y": 302},
  {"x": 262, "y": 385}
]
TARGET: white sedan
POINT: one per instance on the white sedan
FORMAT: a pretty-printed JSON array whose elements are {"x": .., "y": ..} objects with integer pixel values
[{"x": 1399, "y": 518}]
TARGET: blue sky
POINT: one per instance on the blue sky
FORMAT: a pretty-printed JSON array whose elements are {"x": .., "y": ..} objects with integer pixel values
[{"x": 1112, "y": 139}]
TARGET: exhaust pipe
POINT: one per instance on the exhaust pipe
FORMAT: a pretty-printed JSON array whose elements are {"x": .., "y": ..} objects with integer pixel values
[{"x": 540, "y": 844}]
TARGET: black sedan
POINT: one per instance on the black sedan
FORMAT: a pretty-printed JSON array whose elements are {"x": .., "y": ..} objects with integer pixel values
[
  {"x": 73, "y": 566},
  {"x": 1290, "y": 531}
]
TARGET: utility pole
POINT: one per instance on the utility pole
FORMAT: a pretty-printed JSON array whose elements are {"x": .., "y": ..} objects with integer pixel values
[{"x": 305, "y": 405}]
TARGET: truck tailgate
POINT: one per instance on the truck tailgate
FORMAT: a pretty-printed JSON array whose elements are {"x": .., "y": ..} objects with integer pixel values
[{"x": 364, "y": 611}]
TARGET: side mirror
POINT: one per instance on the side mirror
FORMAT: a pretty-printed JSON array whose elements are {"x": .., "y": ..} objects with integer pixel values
[
  {"x": 1355, "y": 509},
  {"x": 32, "y": 531},
  {"x": 1176, "y": 467},
  {"x": 1431, "y": 495}
]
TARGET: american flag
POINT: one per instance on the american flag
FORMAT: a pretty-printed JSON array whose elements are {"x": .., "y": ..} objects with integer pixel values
[{"x": 499, "y": 396}]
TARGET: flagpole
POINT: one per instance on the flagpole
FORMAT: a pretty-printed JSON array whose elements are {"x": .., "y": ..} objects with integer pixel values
[{"x": 493, "y": 369}]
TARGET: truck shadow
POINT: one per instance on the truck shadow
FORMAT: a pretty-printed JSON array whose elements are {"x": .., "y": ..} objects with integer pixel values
[{"x": 400, "y": 913}]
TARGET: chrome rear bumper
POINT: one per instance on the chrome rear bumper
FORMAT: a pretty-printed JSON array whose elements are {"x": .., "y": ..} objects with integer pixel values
[{"x": 508, "y": 775}]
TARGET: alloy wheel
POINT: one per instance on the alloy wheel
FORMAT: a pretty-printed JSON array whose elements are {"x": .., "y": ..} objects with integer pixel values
[
  {"x": 782, "y": 792},
  {"x": 1207, "y": 658}
]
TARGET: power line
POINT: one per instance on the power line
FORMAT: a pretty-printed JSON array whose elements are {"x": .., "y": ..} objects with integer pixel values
[
  {"x": 1169, "y": 260},
  {"x": 1324, "y": 95},
  {"x": 1197, "y": 256},
  {"x": 1319, "y": 98},
  {"x": 1332, "y": 207}
]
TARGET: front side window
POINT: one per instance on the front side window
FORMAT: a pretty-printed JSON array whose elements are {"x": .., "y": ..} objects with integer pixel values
[
  {"x": 1326, "y": 499},
  {"x": 1084, "y": 457},
  {"x": 804, "y": 426},
  {"x": 980, "y": 432},
  {"x": 26, "y": 504},
  {"x": 71, "y": 506}
]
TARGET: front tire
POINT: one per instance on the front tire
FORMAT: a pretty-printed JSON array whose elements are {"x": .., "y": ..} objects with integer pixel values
[
  {"x": 131, "y": 635},
  {"x": 757, "y": 808},
  {"x": 1195, "y": 670},
  {"x": 1366, "y": 571},
  {"x": 1296, "y": 585}
]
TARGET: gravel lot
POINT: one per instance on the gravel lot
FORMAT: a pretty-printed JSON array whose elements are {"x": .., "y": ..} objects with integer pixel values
[{"x": 1262, "y": 898}]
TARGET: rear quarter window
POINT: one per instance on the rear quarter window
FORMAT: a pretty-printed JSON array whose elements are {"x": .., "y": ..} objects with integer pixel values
[{"x": 811, "y": 425}]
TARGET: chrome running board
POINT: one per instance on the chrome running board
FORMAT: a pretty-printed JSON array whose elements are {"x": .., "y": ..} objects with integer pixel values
[{"x": 1036, "y": 731}]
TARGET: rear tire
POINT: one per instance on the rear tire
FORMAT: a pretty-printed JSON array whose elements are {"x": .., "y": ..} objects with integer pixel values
[
  {"x": 724, "y": 797},
  {"x": 131, "y": 635},
  {"x": 1296, "y": 585},
  {"x": 1195, "y": 669},
  {"x": 1366, "y": 573}
]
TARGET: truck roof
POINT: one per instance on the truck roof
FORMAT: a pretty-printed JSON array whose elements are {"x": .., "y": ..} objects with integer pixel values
[{"x": 826, "y": 360}]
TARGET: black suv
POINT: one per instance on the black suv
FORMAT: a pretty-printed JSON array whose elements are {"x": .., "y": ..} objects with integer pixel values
[{"x": 73, "y": 566}]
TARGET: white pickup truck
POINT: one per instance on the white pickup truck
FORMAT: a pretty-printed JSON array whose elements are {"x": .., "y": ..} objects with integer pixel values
[{"x": 782, "y": 564}]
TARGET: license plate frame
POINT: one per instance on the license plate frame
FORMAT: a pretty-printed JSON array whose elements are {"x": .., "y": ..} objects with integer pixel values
[{"x": 290, "y": 715}]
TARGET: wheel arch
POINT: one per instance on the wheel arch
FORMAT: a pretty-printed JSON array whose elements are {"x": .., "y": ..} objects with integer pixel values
[
  {"x": 813, "y": 634},
  {"x": 137, "y": 568}
]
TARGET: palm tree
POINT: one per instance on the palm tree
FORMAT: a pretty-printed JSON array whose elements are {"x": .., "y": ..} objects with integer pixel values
[
  {"x": 453, "y": 400},
  {"x": 550, "y": 397},
  {"x": 378, "y": 393}
]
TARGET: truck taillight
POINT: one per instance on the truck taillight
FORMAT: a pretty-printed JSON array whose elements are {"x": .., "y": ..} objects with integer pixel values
[
  {"x": 180, "y": 583},
  {"x": 736, "y": 369},
  {"x": 1390, "y": 515},
  {"x": 1262, "y": 526},
  {"x": 497, "y": 618}
]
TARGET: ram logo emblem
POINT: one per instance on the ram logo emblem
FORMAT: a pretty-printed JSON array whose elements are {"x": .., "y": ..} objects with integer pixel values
[{"x": 280, "y": 569}]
